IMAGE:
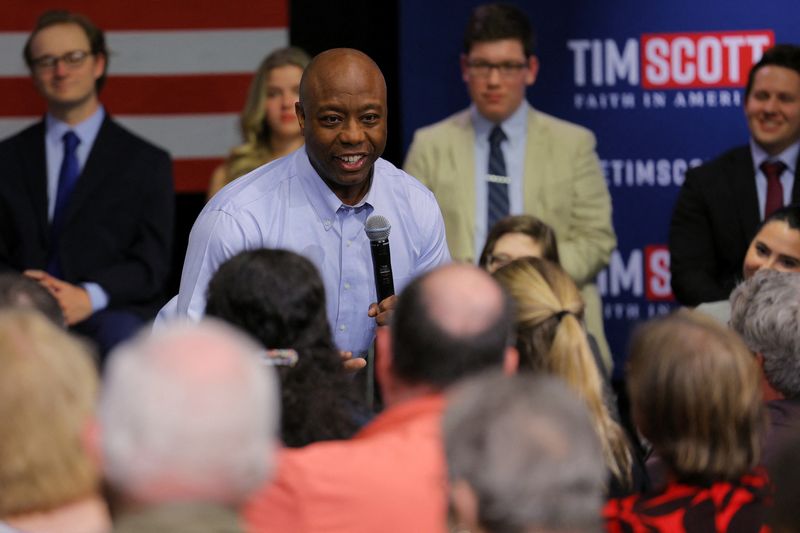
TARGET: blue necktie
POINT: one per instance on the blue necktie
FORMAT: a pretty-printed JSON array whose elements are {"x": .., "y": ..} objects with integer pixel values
[
  {"x": 67, "y": 176},
  {"x": 498, "y": 181}
]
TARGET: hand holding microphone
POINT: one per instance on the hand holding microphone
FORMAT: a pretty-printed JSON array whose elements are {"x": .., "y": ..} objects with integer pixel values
[{"x": 377, "y": 229}]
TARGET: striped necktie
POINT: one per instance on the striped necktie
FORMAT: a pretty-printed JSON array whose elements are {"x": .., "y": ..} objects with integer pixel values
[{"x": 498, "y": 180}]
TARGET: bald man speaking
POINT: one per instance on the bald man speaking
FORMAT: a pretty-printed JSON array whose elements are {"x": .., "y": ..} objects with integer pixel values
[{"x": 316, "y": 201}]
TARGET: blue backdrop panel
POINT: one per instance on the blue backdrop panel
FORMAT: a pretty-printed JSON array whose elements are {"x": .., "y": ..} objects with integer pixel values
[{"x": 660, "y": 84}]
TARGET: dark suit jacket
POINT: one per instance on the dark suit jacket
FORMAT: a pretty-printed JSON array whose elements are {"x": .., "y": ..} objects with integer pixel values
[
  {"x": 715, "y": 218},
  {"x": 119, "y": 222}
]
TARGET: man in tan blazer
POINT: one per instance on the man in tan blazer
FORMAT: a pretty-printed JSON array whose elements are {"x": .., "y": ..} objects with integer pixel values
[{"x": 551, "y": 167}]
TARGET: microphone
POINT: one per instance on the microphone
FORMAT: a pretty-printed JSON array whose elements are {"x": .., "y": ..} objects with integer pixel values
[{"x": 377, "y": 229}]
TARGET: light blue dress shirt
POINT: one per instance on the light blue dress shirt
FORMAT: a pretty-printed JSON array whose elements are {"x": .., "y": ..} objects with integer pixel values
[
  {"x": 789, "y": 158},
  {"x": 54, "y": 153},
  {"x": 516, "y": 128},
  {"x": 285, "y": 204}
]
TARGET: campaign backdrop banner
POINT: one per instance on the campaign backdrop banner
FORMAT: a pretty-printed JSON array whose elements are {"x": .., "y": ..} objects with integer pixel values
[{"x": 660, "y": 84}]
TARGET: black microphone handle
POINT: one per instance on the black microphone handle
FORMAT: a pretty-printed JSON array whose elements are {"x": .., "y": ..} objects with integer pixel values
[{"x": 382, "y": 265}]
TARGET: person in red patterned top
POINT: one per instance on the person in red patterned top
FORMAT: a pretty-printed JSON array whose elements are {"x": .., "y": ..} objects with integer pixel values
[{"x": 695, "y": 395}]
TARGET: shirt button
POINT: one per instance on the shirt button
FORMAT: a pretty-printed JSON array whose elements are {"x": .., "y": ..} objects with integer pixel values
[
  {"x": 342, "y": 327},
  {"x": 346, "y": 285},
  {"x": 327, "y": 224},
  {"x": 349, "y": 243}
]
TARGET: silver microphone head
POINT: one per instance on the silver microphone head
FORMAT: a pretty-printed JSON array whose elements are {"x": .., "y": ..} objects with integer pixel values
[{"x": 377, "y": 228}]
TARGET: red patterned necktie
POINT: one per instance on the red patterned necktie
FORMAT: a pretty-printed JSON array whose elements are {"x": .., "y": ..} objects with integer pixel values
[{"x": 773, "y": 170}]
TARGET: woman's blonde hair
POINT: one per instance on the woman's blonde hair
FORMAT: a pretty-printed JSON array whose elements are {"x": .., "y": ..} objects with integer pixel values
[
  {"x": 255, "y": 150},
  {"x": 551, "y": 338},
  {"x": 48, "y": 387},
  {"x": 695, "y": 395}
]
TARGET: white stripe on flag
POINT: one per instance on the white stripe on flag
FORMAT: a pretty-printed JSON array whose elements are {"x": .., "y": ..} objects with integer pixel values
[
  {"x": 183, "y": 136},
  {"x": 168, "y": 52}
]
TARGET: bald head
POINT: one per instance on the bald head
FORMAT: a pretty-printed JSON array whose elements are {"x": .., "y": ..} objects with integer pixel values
[
  {"x": 449, "y": 323},
  {"x": 337, "y": 63},
  {"x": 175, "y": 403},
  {"x": 462, "y": 299}
]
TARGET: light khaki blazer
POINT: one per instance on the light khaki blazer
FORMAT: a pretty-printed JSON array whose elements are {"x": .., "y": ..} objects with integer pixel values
[{"x": 563, "y": 186}]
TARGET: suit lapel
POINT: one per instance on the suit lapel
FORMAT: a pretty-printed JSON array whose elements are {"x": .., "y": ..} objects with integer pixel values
[
  {"x": 463, "y": 151},
  {"x": 537, "y": 163},
  {"x": 743, "y": 184},
  {"x": 34, "y": 161},
  {"x": 99, "y": 162}
]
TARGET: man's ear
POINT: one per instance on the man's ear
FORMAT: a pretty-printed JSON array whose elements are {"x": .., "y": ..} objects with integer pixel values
[
  {"x": 532, "y": 71},
  {"x": 510, "y": 361},
  {"x": 301, "y": 116},
  {"x": 464, "y": 503},
  {"x": 91, "y": 439},
  {"x": 464, "y": 71},
  {"x": 383, "y": 354},
  {"x": 99, "y": 65}
]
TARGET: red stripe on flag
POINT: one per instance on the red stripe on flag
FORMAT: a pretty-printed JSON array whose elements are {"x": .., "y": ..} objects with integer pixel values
[
  {"x": 155, "y": 14},
  {"x": 142, "y": 95},
  {"x": 192, "y": 175}
]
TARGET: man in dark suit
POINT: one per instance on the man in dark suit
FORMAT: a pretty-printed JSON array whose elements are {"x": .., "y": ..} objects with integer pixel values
[
  {"x": 723, "y": 202},
  {"x": 86, "y": 207}
]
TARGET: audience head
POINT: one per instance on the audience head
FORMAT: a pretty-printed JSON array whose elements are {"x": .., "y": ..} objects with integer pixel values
[
  {"x": 48, "y": 387},
  {"x": 60, "y": 26},
  {"x": 515, "y": 237},
  {"x": 551, "y": 338},
  {"x": 498, "y": 62},
  {"x": 269, "y": 109},
  {"x": 278, "y": 297},
  {"x": 449, "y": 323},
  {"x": 188, "y": 413},
  {"x": 17, "y": 290},
  {"x": 499, "y": 22},
  {"x": 776, "y": 245},
  {"x": 765, "y": 311},
  {"x": 342, "y": 113},
  {"x": 781, "y": 55},
  {"x": 522, "y": 456},
  {"x": 773, "y": 90},
  {"x": 695, "y": 395}
]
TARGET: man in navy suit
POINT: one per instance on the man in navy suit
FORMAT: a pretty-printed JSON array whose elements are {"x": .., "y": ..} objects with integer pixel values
[
  {"x": 86, "y": 207},
  {"x": 722, "y": 202}
]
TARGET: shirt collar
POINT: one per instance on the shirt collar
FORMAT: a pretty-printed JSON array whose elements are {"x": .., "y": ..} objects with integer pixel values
[
  {"x": 86, "y": 130},
  {"x": 323, "y": 200},
  {"x": 404, "y": 412},
  {"x": 788, "y": 157},
  {"x": 515, "y": 127}
]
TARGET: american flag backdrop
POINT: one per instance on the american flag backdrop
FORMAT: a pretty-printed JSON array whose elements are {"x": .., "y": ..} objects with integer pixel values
[{"x": 178, "y": 75}]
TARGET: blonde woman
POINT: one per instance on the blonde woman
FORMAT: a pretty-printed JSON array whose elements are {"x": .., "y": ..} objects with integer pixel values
[
  {"x": 551, "y": 338},
  {"x": 269, "y": 126}
]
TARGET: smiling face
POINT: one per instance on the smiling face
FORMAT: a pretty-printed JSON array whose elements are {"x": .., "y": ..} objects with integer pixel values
[
  {"x": 342, "y": 115},
  {"x": 772, "y": 108},
  {"x": 69, "y": 90},
  {"x": 495, "y": 94},
  {"x": 776, "y": 247},
  {"x": 282, "y": 92}
]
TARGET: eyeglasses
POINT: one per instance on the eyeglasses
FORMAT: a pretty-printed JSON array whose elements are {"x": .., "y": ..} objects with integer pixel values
[
  {"x": 507, "y": 69},
  {"x": 72, "y": 59}
]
